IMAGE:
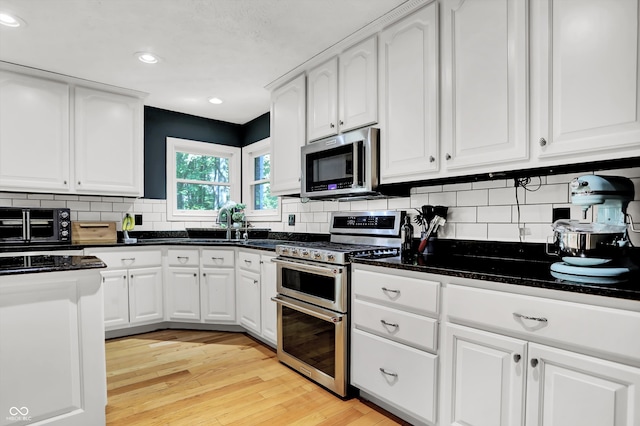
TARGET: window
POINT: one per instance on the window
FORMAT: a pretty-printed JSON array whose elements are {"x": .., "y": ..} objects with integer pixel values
[
  {"x": 256, "y": 189},
  {"x": 201, "y": 177}
]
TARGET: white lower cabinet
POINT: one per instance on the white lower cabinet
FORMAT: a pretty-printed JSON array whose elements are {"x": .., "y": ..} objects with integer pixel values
[
  {"x": 182, "y": 285},
  {"x": 268, "y": 281},
  {"x": 248, "y": 291},
  {"x": 218, "y": 285},
  {"x": 132, "y": 286},
  {"x": 394, "y": 340},
  {"x": 521, "y": 377}
]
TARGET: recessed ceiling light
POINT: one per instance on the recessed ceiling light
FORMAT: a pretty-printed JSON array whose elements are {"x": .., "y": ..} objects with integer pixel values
[
  {"x": 215, "y": 101},
  {"x": 9, "y": 20},
  {"x": 147, "y": 58}
]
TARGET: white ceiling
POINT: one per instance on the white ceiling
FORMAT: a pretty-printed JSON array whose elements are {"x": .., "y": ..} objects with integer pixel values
[{"x": 230, "y": 49}]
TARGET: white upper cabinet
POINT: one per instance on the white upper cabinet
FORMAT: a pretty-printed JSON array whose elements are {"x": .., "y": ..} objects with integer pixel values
[
  {"x": 59, "y": 137},
  {"x": 108, "y": 143},
  {"x": 484, "y": 83},
  {"x": 358, "y": 85},
  {"x": 322, "y": 100},
  {"x": 408, "y": 85},
  {"x": 342, "y": 93},
  {"x": 34, "y": 133},
  {"x": 288, "y": 131},
  {"x": 585, "y": 84}
]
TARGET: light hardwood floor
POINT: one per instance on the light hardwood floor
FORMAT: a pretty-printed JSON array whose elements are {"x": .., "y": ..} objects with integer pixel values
[{"x": 179, "y": 377}]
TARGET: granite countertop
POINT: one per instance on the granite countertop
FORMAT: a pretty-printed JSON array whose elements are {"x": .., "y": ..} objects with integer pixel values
[
  {"x": 12, "y": 265},
  {"x": 532, "y": 273}
]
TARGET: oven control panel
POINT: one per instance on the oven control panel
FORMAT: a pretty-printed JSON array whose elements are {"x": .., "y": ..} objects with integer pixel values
[{"x": 334, "y": 256}]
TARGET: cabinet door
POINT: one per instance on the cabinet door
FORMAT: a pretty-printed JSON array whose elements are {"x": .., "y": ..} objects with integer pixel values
[
  {"x": 116, "y": 299},
  {"x": 483, "y": 378},
  {"x": 408, "y": 68},
  {"x": 484, "y": 96},
  {"x": 322, "y": 100},
  {"x": 34, "y": 135},
  {"x": 268, "y": 277},
  {"x": 248, "y": 303},
  {"x": 108, "y": 143},
  {"x": 358, "y": 86},
  {"x": 183, "y": 294},
  {"x": 145, "y": 295},
  {"x": 565, "y": 388},
  {"x": 288, "y": 134},
  {"x": 585, "y": 86},
  {"x": 218, "y": 295}
]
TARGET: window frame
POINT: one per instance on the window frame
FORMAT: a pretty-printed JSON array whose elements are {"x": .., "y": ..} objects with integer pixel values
[
  {"x": 249, "y": 153},
  {"x": 199, "y": 148}
]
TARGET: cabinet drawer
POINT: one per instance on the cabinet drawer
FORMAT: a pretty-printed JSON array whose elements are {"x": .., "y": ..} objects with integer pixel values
[
  {"x": 410, "y": 292},
  {"x": 213, "y": 257},
  {"x": 249, "y": 261},
  {"x": 183, "y": 257},
  {"x": 571, "y": 324},
  {"x": 405, "y": 327},
  {"x": 129, "y": 259},
  {"x": 403, "y": 376}
]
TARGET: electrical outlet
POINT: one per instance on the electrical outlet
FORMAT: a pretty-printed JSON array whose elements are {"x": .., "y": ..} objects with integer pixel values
[
  {"x": 138, "y": 219},
  {"x": 292, "y": 219}
]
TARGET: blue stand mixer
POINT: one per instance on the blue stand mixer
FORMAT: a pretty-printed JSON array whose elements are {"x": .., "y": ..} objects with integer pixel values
[{"x": 594, "y": 252}]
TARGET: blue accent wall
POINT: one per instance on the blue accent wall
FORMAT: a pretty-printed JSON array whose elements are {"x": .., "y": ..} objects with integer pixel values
[{"x": 160, "y": 124}]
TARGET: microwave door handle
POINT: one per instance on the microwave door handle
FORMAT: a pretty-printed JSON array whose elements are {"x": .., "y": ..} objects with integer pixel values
[
  {"x": 26, "y": 225},
  {"x": 356, "y": 162}
]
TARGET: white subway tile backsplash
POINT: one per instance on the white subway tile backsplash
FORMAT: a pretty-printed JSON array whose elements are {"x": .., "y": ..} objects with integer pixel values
[
  {"x": 494, "y": 214},
  {"x": 443, "y": 199},
  {"x": 547, "y": 194},
  {"x": 462, "y": 214},
  {"x": 471, "y": 231},
  {"x": 400, "y": 203},
  {"x": 503, "y": 232},
  {"x": 478, "y": 197},
  {"x": 505, "y": 196},
  {"x": 534, "y": 213},
  {"x": 477, "y": 211}
]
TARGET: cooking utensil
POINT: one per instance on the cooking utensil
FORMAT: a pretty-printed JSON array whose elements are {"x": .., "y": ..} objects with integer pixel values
[{"x": 439, "y": 219}]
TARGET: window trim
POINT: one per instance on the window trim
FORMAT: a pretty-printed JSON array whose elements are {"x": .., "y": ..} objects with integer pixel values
[
  {"x": 203, "y": 148},
  {"x": 249, "y": 153}
]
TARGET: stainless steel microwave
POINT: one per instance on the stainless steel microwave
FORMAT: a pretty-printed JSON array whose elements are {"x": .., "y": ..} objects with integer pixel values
[
  {"x": 34, "y": 225},
  {"x": 345, "y": 165}
]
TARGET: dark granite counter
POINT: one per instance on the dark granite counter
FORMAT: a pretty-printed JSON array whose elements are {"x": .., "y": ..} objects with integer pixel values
[
  {"x": 11, "y": 265},
  {"x": 532, "y": 273}
]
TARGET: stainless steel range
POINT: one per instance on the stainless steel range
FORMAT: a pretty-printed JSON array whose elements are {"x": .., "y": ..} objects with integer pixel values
[{"x": 314, "y": 281}]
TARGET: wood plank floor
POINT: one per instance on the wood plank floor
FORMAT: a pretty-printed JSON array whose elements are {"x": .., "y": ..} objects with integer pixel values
[{"x": 180, "y": 377}]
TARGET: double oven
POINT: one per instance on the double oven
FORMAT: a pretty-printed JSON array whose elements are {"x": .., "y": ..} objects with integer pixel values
[{"x": 314, "y": 285}]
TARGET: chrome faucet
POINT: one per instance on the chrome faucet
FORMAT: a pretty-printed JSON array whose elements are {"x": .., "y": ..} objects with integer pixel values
[{"x": 221, "y": 211}]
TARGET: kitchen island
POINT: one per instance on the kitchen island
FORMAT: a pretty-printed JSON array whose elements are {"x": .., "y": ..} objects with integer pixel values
[{"x": 52, "y": 363}]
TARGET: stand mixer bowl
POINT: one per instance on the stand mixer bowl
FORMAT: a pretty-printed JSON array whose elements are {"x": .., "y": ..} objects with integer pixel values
[{"x": 589, "y": 244}]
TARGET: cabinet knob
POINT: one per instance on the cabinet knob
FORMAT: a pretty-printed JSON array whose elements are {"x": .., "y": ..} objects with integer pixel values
[
  {"x": 534, "y": 362},
  {"x": 65, "y": 182},
  {"x": 431, "y": 159},
  {"x": 255, "y": 281},
  {"x": 448, "y": 156},
  {"x": 517, "y": 358},
  {"x": 204, "y": 274},
  {"x": 195, "y": 275},
  {"x": 79, "y": 183},
  {"x": 332, "y": 125},
  {"x": 341, "y": 122},
  {"x": 543, "y": 142}
]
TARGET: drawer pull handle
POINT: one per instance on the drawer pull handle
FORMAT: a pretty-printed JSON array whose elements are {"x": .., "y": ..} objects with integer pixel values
[
  {"x": 217, "y": 258},
  {"x": 385, "y": 372},
  {"x": 534, "y": 362},
  {"x": 388, "y": 290},
  {"x": 539, "y": 319},
  {"x": 248, "y": 262},
  {"x": 128, "y": 259},
  {"x": 183, "y": 259},
  {"x": 388, "y": 324},
  {"x": 516, "y": 358}
]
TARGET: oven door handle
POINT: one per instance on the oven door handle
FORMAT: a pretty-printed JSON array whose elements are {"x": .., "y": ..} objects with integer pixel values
[
  {"x": 308, "y": 309},
  {"x": 328, "y": 271}
]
